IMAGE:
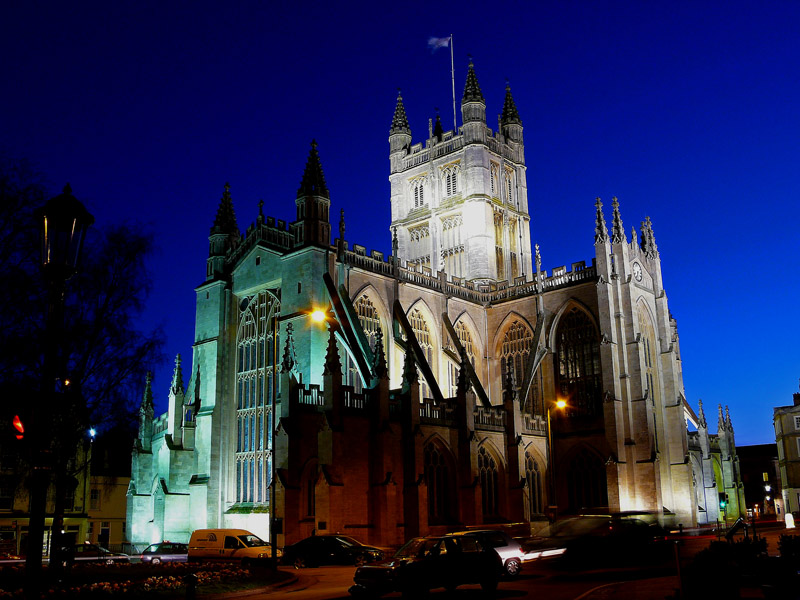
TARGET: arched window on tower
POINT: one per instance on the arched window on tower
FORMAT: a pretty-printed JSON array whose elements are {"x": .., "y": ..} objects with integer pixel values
[
  {"x": 423, "y": 335},
  {"x": 489, "y": 478},
  {"x": 450, "y": 176},
  {"x": 649, "y": 350},
  {"x": 533, "y": 481},
  {"x": 500, "y": 259},
  {"x": 255, "y": 377},
  {"x": 517, "y": 345},
  {"x": 418, "y": 187},
  {"x": 494, "y": 171},
  {"x": 440, "y": 482},
  {"x": 509, "y": 181},
  {"x": 578, "y": 376}
]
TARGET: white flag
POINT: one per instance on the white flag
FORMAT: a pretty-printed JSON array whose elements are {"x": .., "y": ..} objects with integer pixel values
[{"x": 435, "y": 43}]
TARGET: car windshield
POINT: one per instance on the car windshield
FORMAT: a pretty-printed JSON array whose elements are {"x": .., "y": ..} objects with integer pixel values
[
  {"x": 348, "y": 541},
  {"x": 152, "y": 549},
  {"x": 417, "y": 548},
  {"x": 252, "y": 540}
]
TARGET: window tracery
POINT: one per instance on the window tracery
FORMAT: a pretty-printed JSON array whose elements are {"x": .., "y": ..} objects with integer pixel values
[
  {"x": 533, "y": 479},
  {"x": 489, "y": 479},
  {"x": 453, "y": 257},
  {"x": 578, "y": 374},
  {"x": 424, "y": 338},
  {"x": 517, "y": 345},
  {"x": 465, "y": 339},
  {"x": 450, "y": 179},
  {"x": 440, "y": 483},
  {"x": 255, "y": 377}
]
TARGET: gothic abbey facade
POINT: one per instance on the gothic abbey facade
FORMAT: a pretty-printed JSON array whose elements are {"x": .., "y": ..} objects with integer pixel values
[{"x": 426, "y": 401}]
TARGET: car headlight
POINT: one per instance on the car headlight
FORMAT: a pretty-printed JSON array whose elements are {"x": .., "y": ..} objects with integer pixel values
[{"x": 263, "y": 555}]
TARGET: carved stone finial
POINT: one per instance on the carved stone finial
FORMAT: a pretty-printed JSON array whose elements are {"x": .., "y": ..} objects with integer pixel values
[
  {"x": 332, "y": 362},
  {"x": 617, "y": 230},
  {"x": 410, "y": 374},
  {"x": 289, "y": 355},
  {"x": 381, "y": 369},
  {"x": 600, "y": 229},
  {"x": 701, "y": 415},
  {"x": 177, "y": 377}
]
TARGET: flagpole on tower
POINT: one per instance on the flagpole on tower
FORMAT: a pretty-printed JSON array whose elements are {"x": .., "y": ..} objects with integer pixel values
[{"x": 453, "y": 82}]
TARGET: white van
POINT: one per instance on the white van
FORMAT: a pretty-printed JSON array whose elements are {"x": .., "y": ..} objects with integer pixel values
[{"x": 230, "y": 545}]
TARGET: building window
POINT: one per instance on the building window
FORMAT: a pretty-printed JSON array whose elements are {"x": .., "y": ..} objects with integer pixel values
[
  {"x": 423, "y": 335},
  {"x": 418, "y": 187},
  {"x": 255, "y": 379},
  {"x": 440, "y": 485},
  {"x": 509, "y": 178},
  {"x": 494, "y": 171},
  {"x": 489, "y": 480},
  {"x": 370, "y": 324},
  {"x": 797, "y": 422},
  {"x": 450, "y": 177},
  {"x": 578, "y": 376},
  {"x": 533, "y": 481},
  {"x": 419, "y": 250},
  {"x": 498, "y": 247},
  {"x": 517, "y": 344},
  {"x": 91, "y": 527},
  {"x": 94, "y": 499},
  {"x": 465, "y": 339},
  {"x": 453, "y": 257}
]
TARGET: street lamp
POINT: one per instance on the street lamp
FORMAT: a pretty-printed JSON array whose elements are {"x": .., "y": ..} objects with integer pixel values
[
  {"x": 63, "y": 222},
  {"x": 560, "y": 404}
]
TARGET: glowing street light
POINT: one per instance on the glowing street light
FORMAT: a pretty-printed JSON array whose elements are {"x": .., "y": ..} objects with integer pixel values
[
  {"x": 560, "y": 404},
  {"x": 318, "y": 315}
]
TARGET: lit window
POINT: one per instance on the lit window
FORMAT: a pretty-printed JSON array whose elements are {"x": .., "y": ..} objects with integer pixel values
[
  {"x": 578, "y": 375},
  {"x": 797, "y": 422}
]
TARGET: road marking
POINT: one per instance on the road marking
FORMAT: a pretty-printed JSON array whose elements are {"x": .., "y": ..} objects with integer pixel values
[{"x": 599, "y": 587}]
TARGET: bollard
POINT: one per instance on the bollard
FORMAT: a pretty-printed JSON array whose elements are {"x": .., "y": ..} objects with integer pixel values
[{"x": 191, "y": 586}]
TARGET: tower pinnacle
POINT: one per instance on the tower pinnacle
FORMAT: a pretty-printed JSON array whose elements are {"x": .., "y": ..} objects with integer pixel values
[
  {"x": 313, "y": 182},
  {"x": 472, "y": 90},
  {"x": 225, "y": 221},
  {"x": 510, "y": 113},
  {"x": 399, "y": 121},
  {"x": 600, "y": 229},
  {"x": 617, "y": 230},
  {"x": 177, "y": 377}
]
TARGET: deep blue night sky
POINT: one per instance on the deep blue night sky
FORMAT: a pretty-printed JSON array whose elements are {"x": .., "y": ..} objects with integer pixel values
[{"x": 687, "y": 111}]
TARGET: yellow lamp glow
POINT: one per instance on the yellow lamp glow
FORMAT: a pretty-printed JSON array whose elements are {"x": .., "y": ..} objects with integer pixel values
[
  {"x": 561, "y": 403},
  {"x": 318, "y": 316}
]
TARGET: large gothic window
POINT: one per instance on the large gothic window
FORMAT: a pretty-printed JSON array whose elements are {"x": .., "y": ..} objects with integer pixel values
[
  {"x": 370, "y": 323},
  {"x": 423, "y": 335},
  {"x": 465, "y": 339},
  {"x": 586, "y": 482},
  {"x": 494, "y": 171},
  {"x": 255, "y": 380},
  {"x": 650, "y": 370},
  {"x": 488, "y": 473},
  {"x": 439, "y": 479},
  {"x": 517, "y": 346},
  {"x": 453, "y": 257},
  {"x": 533, "y": 481},
  {"x": 418, "y": 187},
  {"x": 578, "y": 375},
  {"x": 419, "y": 250},
  {"x": 509, "y": 181}
]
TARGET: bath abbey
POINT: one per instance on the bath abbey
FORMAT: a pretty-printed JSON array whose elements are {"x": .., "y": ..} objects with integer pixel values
[{"x": 453, "y": 383}]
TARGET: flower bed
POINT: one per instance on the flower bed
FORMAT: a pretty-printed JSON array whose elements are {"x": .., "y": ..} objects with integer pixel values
[{"x": 166, "y": 580}]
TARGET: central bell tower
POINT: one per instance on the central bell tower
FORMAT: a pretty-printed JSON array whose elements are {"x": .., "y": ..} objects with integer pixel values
[{"x": 460, "y": 198}]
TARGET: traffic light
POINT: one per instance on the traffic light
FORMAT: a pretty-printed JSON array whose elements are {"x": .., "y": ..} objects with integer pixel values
[
  {"x": 19, "y": 428},
  {"x": 723, "y": 500}
]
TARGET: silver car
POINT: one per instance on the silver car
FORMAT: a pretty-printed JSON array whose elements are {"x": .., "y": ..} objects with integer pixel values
[{"x": 155, "y": 554}]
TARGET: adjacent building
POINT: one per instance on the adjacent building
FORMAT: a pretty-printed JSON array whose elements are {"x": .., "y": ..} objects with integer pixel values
[{"x": 787, "y": 437}]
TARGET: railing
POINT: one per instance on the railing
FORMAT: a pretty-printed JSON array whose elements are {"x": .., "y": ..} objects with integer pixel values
[
  {"x": 478, "y": 293},
  {"x": 432, "y": 413},
  {"x": 160, "y": 424},
  {"x": 492, "y": 418},
  {"x": 534, "y": 424},
  {"x": 311, "y": 395},
  {"x": 353, "y": 399}
]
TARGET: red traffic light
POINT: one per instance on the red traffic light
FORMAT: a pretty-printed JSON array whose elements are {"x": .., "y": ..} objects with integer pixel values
[{"x": 17, "y": 423}]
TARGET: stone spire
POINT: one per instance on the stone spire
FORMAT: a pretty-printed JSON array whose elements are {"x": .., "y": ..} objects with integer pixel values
[
  {"x": 728, "y": 423},
  {"x": 472, "y": 90},
  {"x": 652, "y": 236},
  {"x": 399, "y": 120},
  {"x": 720, "y": 420},
  {"x": 701, "y": 415},
  {"x": 332, "y": 362},
  {"x": 225, "y": 221},
  {"x": 617, "y": 230},
  {"x": 634, "y": 239},
  {"x": 648, "y": 243},
  {"x": 438, "y": 130},
  {"x": 380, "y": 369},
  {"x": 177, "y": 377},
  {"x": 600, "y": 230},
  {"x": 147, "y": 400},
  {"x": 410, "y": 374},
  {"x": 289, "y": 355},
  {"x": 462, "y": 382},
  {"x": 510, "y": 113},
  {"x": 313, "y": 182}
]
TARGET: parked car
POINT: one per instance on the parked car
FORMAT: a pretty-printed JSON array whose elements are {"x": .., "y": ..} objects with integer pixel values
[
  {"x": 508, "y": 549},
  {"x": 330, "y": 550},
  {"x": 426, "y": 563},
  {"x": 155, "y": 554},
  {"x": 91, "y": 553},
  {"x": 228, "y": 545},
  {"x": 598, "y": 540}
]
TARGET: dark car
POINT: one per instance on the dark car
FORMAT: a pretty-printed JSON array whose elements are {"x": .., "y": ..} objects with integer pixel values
[
  {"x": 330, "y": 550},
  {"x": 598, "y": 540},
  {"x": 155, "y": 554},
  {"x": 508, "y": 550},
  {"x": 426, "y": 563},
  {"x": 91, "y": 553}
]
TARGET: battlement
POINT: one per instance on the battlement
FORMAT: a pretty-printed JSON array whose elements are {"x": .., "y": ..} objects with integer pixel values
[{"x": 432, "y": 148}]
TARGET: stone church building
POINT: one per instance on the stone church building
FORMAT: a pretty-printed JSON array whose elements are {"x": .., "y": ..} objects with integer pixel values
[{"x": 427, "y": 399}]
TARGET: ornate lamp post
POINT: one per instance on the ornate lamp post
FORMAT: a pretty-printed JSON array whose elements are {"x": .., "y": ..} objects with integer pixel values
[
  {"x": 63, "y": 222},
  {"x": 551, "y": 477}
]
